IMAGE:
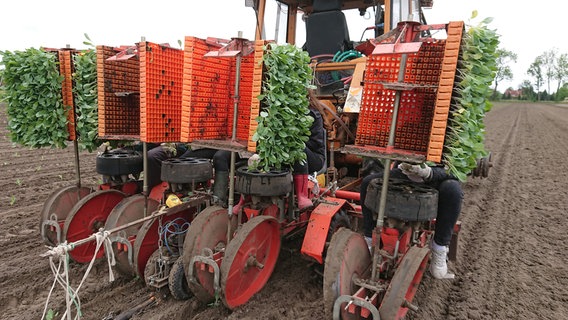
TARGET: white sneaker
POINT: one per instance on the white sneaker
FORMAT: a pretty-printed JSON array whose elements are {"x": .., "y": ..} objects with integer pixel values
[{"x": 438, "y": 263}]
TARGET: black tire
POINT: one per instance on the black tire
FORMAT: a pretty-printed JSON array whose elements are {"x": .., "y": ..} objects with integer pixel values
[
  {"x": 406, "y": 200},
  {"x": 186, "y": 170},
  {"x": 339, "y": 220},
  {"x": 177, "y": 281},
  {"x": 119, "y": 162},
  {"x": 264, "y": 184}
]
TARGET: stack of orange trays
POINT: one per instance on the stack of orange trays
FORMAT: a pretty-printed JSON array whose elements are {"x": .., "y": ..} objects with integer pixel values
[
  {"x": 118, "y": 84},
  {"x": 161, "y": 86},
  {"x": 66, "y": 70},
  {"x": 209, "y": 91},
  {"x": 422, "y": 116}
]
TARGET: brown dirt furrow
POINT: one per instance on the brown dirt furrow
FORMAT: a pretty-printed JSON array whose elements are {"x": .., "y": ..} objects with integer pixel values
[{"x": 512, "y": 261}]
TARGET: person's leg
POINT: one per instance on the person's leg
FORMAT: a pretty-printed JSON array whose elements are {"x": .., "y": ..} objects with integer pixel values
[
  {"x": 300, "y": 175},
  {"x": 205, "y": 153},
  {"x": 221, "y": 163},
  {"x": 450, "y": 198},
  {"x": 155, "y": 158}
]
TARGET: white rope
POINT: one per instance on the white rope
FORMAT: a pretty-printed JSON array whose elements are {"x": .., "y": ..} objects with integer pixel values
[{"x": 61, "y": 252}]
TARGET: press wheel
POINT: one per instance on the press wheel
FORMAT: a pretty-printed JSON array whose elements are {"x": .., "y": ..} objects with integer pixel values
[
  {"x": 126, "y": 211},
  {"x": 249, "y": 260},
  {"x": 87, "y": 217},
  {"x": 59, "y": 204},
  {"x": 404, "y": 284},
  {"x": 177, "y": 282},
  {"x": 348, "y": 258},
  {"x": 148, "y": 236},
  {"x": 208, "y": 230}
]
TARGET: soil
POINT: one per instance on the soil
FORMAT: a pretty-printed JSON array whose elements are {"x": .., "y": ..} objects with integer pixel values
[{"x": 511, "y": 259}]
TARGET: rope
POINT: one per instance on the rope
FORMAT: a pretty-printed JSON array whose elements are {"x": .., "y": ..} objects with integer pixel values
[{"x": 61, "y": 252}]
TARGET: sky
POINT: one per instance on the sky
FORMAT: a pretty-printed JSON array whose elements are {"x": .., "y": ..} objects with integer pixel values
[{"x": 527, "y": 28}]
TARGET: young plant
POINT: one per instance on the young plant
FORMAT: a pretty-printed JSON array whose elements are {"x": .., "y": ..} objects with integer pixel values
[
  {"x": 284, "y": 122},
  {"x": 32, "y": 90},
  {"x": 465, "y": 136}
]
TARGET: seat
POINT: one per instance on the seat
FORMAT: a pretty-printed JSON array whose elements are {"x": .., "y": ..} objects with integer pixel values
[{"x": 326, "y": 30}]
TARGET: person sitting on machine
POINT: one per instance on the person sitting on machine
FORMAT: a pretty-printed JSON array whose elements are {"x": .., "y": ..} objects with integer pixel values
[
  {"x": 450, "y": 198},
  {"x": 315, "y": 155}
]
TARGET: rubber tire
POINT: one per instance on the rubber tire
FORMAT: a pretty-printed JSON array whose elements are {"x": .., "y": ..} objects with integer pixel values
[
  {"x": 186, "y": 170},
  {"x": 406, "y": 200},
  {"x": 263, "y": 184},
  {"x": 177, "y": 281},
  {"x": 119, "y": 162}
]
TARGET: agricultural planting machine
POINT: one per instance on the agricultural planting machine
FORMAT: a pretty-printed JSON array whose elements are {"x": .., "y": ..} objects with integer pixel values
[{"x": 384, "y": 98}]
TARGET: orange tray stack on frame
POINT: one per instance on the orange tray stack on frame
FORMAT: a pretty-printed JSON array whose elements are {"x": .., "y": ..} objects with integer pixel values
[
  {"x": 118, "y": 84},
  {"x": 423, "y": 110},
  {"x": 161, "y": 85},
  {"x": 209, "y": 93}
]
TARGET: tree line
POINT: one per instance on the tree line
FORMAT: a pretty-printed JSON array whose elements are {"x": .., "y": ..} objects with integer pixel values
[{"x": 546, "y": 68}]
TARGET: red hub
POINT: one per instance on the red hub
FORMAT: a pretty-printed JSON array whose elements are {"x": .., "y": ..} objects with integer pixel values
[
  {"x": 86, "y": 218},
  {"x": 127, "y": 211},
  {"x": 249, "y": 260}
]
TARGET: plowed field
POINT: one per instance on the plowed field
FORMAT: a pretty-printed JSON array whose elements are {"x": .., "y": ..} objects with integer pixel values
[{"x": 512, "y": 259}]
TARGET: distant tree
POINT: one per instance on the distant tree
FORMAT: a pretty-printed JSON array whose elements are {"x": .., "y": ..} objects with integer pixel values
[
  {"x": 562, "y": 93},
  {"x": 527, "y": 91},
  {"x": 535, "y": 70},
  {"x": 561, "y": 70},
  {"x": 504, "y": 72},
  {"x": 549, "y": 66}
]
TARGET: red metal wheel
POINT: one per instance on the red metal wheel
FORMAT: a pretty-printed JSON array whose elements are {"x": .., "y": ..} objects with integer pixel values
[
  {"x": 208, "y": 231},
  {"x": 56, "y": 209},
  {"x": 86, "y": 218},
  {"x": 249, "y": 260},
  {"x": 404, "y": 284},
  {"x": 148, "y": 236},
  {"x": 348, "y": 258},
  {"x": 126, "y": 211}
]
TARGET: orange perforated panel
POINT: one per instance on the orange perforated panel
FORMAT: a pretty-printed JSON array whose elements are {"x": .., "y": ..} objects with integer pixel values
[
  {"x": 209, "y": 91},
  {"x": 66, "y": 70},
  {"x": 118, "y": 84},
  {"x": 416, "y": 107},
  {"x": 161, "y": 86},
  {"x": 206, "y": 93},
  {"x": 443, "y": 98}
]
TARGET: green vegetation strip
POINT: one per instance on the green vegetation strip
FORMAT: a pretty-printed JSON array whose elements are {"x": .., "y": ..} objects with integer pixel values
[
  {"x": 465, "y": 137},
  {"x": 284, "y": 122}
]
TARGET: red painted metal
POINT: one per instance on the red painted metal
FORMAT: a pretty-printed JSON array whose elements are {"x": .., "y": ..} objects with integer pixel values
[
  {"x": 147, "y": 237},
  {"x": 86, "y": 218},
  {"x": 249, "y": 260},
  {"x": 58, "y": 205},
  {"x": 126, "y": 211},
  {"x": 318, "y": 226},
  {"x": 349, "y": 195}
]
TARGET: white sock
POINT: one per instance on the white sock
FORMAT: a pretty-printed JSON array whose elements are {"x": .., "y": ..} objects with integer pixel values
[{"x": 437, "y": 247}]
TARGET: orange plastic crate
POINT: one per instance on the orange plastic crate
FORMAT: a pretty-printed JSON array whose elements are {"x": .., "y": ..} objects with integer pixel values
[
  {"x": 209, "y": 91},
  {"x": 423, "y": 111},
  {"x": 118, "y": 84},
  {"x": 161, "y": 85}
]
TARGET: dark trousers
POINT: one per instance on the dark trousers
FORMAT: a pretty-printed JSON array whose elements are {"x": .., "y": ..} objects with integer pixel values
[{"x": 450, "y": 198}]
